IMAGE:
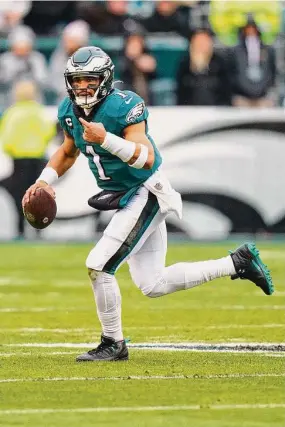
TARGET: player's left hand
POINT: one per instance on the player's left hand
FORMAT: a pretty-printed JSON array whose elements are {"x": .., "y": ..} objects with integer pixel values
[{"x": 93, "y": 132}]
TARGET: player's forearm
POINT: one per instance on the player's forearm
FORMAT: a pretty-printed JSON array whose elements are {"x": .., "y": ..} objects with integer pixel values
[
  {"x": 134, "y": 149},
  {"x": 139, "y": 155},
  {"x": 61, "y": 161},
  {"x": 142, "y": 148}
]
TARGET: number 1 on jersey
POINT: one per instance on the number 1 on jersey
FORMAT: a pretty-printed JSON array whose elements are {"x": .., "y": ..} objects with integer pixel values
[{"x": 96, "y": 160}]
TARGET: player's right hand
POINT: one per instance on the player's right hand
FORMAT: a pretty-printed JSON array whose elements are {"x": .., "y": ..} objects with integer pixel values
[{"x": 33, "y": 188}]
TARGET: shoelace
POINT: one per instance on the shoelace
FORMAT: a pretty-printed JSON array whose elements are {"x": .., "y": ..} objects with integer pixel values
[
  {"x": 101, "y": 347},
  {"x": 104, "y": 345}
]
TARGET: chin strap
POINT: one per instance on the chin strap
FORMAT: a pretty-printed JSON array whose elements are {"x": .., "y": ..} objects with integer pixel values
[{"x": 86, "y": 100}]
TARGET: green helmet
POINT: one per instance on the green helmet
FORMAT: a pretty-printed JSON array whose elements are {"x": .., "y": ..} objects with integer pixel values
[{"x": 91, "y": 62}]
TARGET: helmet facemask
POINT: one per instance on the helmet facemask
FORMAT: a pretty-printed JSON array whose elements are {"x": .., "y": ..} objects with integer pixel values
[
  {"x": 81, "y": 96},
  {"x": 95, "y": 64}
]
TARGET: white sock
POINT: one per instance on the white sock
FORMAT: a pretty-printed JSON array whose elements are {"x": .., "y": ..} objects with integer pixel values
[
  {"x": 108, "y": 300},
  {"x": 186, "y": 275}
]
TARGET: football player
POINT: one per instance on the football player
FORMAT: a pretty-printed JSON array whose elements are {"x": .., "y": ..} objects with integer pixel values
[{"x": 110, "y": 128}]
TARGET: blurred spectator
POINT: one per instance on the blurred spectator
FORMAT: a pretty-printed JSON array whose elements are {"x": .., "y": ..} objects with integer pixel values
[
  {"x": 106, "y": 17},
  {"x": 168, "y": 16},
  {"x": 202, "y": 77},
  {"x": 24, "y": 134},
  {"x": 48, "y": 17},
  {"x": 137, "y": 66},
  {"x": 140, "y": 8},
  {"x": 12, "y": 14},
  {"x": 254, "y": 69},
  {"x": 74, "y": 36},
  {"x": 22, "y": 62}
]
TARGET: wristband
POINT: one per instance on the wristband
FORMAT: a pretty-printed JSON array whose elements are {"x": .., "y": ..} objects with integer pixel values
[
  {"x": 141, "y": 160},
  {"x": 48, "y": 175},
  {"x": 119, "y": 147}
]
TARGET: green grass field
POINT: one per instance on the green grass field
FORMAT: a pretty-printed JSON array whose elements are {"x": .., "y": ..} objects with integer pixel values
[{"x": 47, "y": 317}]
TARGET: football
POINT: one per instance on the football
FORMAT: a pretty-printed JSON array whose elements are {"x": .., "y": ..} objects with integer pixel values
[{"x": 40, "y": 211}]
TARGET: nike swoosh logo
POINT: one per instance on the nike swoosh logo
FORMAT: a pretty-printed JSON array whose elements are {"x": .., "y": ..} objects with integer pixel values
[
  {"x": 129, "y": 100},
  {"x": 104, "y": 197}
]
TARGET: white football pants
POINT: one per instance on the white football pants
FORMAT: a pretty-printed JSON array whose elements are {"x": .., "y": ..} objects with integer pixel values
[{"x": 137, "y": 234}]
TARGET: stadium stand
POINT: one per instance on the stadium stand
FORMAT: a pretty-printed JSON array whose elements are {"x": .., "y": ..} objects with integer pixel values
[{"x": 168, "y": 48}]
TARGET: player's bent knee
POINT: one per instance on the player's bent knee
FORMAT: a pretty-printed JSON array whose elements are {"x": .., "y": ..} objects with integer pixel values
[
  {"x": 144, "y": 285},
  {"x": 96, "y": 259},
  {"x": 93, "y": 274},
  {"x": 151, "y": 287},
  {"x": 153, "y": 291}
]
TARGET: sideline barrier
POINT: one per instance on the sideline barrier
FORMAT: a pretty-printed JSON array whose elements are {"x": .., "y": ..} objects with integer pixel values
[{"x": 228, "y": 165}]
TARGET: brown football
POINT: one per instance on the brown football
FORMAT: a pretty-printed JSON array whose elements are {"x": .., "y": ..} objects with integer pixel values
[{"x": 40, "y": 211}]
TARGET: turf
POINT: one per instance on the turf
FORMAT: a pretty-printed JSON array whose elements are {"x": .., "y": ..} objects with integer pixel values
[{"x": 45, "y": 298}]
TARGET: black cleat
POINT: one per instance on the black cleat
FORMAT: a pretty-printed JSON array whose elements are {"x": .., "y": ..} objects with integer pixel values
[
  {"x": 107, "y": 350},
  {"x": 248, "y": 265}
]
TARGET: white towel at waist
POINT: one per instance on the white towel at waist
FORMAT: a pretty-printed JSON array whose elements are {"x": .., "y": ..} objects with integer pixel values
[{"x": 168, "y": 199}]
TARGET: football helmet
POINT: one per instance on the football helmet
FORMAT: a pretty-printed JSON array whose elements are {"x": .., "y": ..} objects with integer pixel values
[{"x": 89, "y": 62}]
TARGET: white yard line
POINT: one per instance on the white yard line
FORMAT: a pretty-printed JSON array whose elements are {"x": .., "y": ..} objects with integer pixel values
[
  {"x": 14, "y": 281},
  {"x": 213, "y": 347},
  {"x": 143, "y": 409},
  {"x": 196, "y": 307},
  {"x": 240, "y": 347},
  {"x": 141, "y": 378}
]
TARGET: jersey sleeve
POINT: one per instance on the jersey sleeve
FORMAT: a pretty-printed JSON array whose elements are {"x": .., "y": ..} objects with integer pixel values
[
  {"x": 132, "y": 110},
  {"x": 64, "y": 119},
  {"x": 64, "y": 125}
]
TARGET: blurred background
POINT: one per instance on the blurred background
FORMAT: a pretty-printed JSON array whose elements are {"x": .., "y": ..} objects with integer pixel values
[{"x": 212, "y": 74}]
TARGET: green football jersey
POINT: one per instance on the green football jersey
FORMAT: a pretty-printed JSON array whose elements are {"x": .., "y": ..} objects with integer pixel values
[{"x": 119, "y": 110}]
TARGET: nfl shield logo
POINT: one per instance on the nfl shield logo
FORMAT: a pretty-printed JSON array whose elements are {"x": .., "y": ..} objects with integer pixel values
[{"x": 158, "y": 186}]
